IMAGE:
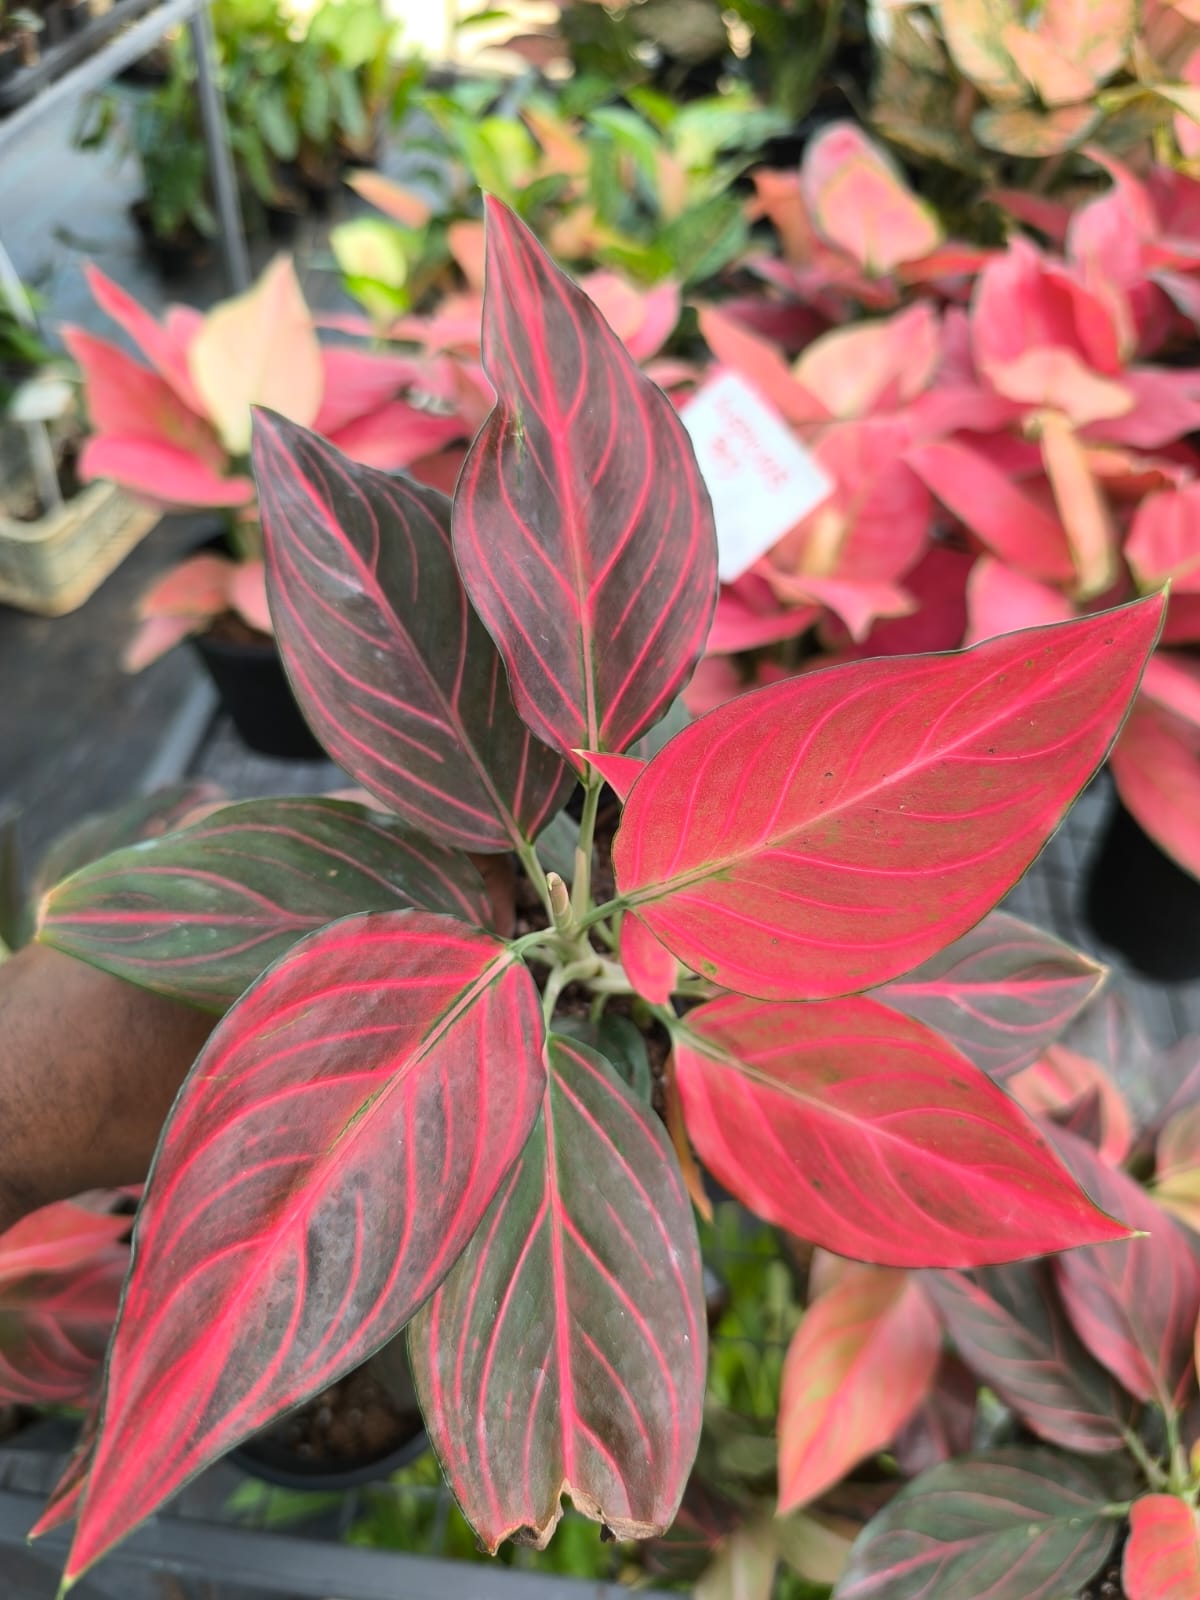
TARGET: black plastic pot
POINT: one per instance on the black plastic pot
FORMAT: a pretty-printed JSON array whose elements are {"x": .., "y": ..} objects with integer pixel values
[
  {"x": 255, "y": 692},
  {"x": 1141, "y": 904},
  {"x": 269, "y": 1461}
]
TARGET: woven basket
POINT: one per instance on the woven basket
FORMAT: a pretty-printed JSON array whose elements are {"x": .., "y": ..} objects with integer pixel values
[{"x": 53, "y": 565}]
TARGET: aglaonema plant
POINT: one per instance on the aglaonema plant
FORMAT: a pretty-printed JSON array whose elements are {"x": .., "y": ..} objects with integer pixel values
[{"x": 393, "y": 1126}]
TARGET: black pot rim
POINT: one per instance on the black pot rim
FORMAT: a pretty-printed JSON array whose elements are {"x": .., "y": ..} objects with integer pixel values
[{"x": 253, "y": 1459}]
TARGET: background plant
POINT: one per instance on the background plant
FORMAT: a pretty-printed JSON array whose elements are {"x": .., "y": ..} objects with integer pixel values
[{"x": 391, "y": 1128}]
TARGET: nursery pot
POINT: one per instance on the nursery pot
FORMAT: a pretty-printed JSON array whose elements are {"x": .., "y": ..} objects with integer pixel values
[
  {"x": 1141, "y": 903},
  {"x": 255, "y": 692},
  {"x": 360, "y": 1430}
]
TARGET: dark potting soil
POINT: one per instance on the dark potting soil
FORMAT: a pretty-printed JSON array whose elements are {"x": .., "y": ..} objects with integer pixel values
[
  {"x": 353, "y": 1420},
  {"x": 1107, "y": 1584}
]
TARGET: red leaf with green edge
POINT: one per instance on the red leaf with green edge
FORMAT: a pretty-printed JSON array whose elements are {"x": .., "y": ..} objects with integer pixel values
[
  {"x": 860, "y": 1363},
  {"x": 393, "y": 670},
  {"x": 332, "y": 1151},
  {"x": 147, "y": 817},
  {"x": 1013, "y": 1524},
  {"x": 825, "y": 834},
  {"x": 1008, "y": 1326},
  {"x": 197, "y": 915},
  {"x": 1000, "y": 994},
  {"x": 1162, "y": 1557},
  {"x": 865, "y": 1133},
  {"x": 619, "y": 772},
  {"x": 566, "y": 1351},
  {"x": 1134, "y": 1304},
  {"x": 581, "y": 523},
  {"x": 649, "y": 965}
]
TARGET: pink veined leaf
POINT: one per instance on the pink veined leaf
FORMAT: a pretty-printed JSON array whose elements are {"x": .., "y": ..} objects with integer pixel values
[
  {"x": 1000, "y": 994},
  {"x": 275, "y": 1252},
  {"x": 1008, "y": 1326},
  {"x": 1085, "y": 515},
  {"x": 126, "y": 399},
  {"x": 63, "y": 1505},
  {"x": 1011, "y": 524},
  {"x": 148, "y": 816},
  {"x": 390, "y": 665},
  {"x": 1013, "y": 1524},
  {"x": 56, "y": 1238},
  {"x": 1001, "y": 600},
  {"x": 358, "y": 382},
  {"x": 773, "y": 844},
  {"x": 1156, "y": 764},
  {"x": 1061, "y": 1084},
  {"x": 1162, "y": 1557},
  {"x": 861, "y": 1131},
  {"x": 650, "y": 967},
  {"x": 859, "y": 605},
  {"x": 619, "y": 772},
  {"x": 583, "y": 530},
  {"x": 749, "y": 616},
  {"x": 943, "y": 1425},
  {"x": 873, "y": 366},
  {"x": 860, "y": 202},
  {"x": 197, "y": 587},
  {"x": 1164, "y": 541},
  {"x": 861, "y": 1362},
  {"x": 1173, "y": 682},
  {"x": 1133, "y": 1303},
  {"x": 55, "y": 1329},
  {"x": 165, "y": 348},
  {"x": 643, "y": 319},
  {"x": 566, "y": 1351},
  {"x": 163, "y": 473},
  {"x": 199, "y": 914}
]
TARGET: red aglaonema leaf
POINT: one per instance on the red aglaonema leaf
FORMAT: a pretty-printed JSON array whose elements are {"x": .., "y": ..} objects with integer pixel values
[
  {"x": 1157, "y": 771},
  {"x": 393, "y": 670},
  {"x": 1001, "y": 993},
  {"x": 859, "y": 1365},
  {"x": 332, "y": 1151},
  {"x": 63, "y": 1503},
  {"x": 825, "y": 834},
  {"x": 198, "y": 914},
  {"x": 1013, "y": 1524},
  {"x": 943, "y": 1425},
  {"x": 1162, "y": 1557},
  {"x": 619, "y": 772},
  {"x": 1007, "y": 1324},
  {"x": 862, "y": 1131},
  {"x": 649, "y": 965},
  {"x": 581, "y": 523},
  {"x": 61, "y": 1271},
  {"x": 566, "y": 1351},
  {"x": 1134, "y": 1304}
]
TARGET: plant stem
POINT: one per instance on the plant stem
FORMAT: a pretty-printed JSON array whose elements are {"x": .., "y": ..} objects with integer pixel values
[
  {"x": 581, "y": 890},
  {"x": 560, "y": 978},
  {"x": 1179, "y": 1476},
  {"x": 527, "y": 856},
  {"x": 1155, "y": 1476}
]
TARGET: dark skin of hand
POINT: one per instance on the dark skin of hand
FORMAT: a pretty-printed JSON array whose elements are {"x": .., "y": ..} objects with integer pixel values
[{"x": 89, "y": 1068}]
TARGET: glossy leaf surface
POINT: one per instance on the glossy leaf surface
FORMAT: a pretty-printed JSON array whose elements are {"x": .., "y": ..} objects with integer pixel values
[
  {"x": 1162, "y": 1557},
  {"x": 830, "y": 832},
  {"x": 1007, "y": 1325},
  {"x": 197, "y": 915},
  {"x": 1001, "y": 993},
  {"x": 861, "y": 1362},
  {"x": 566, "y": 1351},
  {"x": 393, "y": 670},
  {"x": 1134, "y": 1304},
  {"x": 863, "y": 1132},
  {"x": 649, "y": 966},
  {"x": 147, "y": 817},
  {"x": 1012, "y": 1525},
  {"x": 331, "y": 1153},
  {"x": 581, "y": 523}
]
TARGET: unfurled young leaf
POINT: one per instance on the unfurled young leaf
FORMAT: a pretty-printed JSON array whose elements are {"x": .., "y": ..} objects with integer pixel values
[
  {"x": 1162, "y": 1557},
  {"x": 566, "y": 1351},
  {"x": 1134, "y": 1304},
  {"x": 1013, "y": 1524},
  {"x": 861, "y": 1131},
  {"x": 330, "y": 1155},
  {"x": 391, "y": 666},
  {"x": 1008, "y": 1326},
  {"x": 581, "y": 524},
  {"x": 751, "y": 843},
  {"x": 1001, "y": 993},
  {"x": 859, "y": 1365},
  {"x": 198, "y": 914}
]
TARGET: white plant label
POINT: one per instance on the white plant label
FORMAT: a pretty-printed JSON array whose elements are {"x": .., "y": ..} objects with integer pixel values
[{"x": 761, "y": 479}]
